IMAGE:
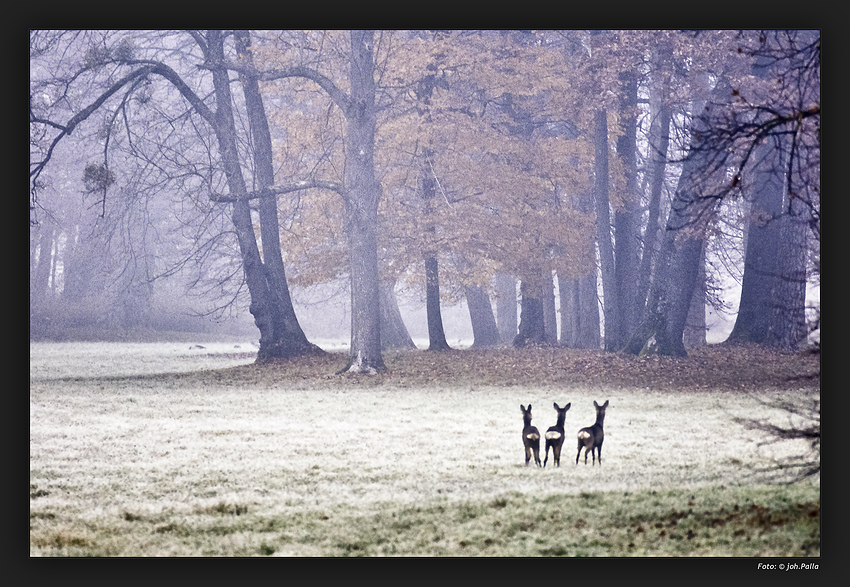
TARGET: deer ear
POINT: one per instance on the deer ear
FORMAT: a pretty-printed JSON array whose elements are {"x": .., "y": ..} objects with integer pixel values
[
  {"x": 605, "y": 405},
  {"x": 567, "y": 407},
  {"x": 556, "y": 406},
  {"x": 595, "y": 405}
]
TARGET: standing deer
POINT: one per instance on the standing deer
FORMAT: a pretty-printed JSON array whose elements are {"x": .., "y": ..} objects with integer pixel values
[
  {"x": 591, "y": 437},
  {"x": 555, "y": 436},
  {"x": 530, "y": 437}
]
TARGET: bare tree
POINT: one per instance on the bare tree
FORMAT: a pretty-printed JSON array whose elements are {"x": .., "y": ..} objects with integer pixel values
[{"x": 280, "y": 334}]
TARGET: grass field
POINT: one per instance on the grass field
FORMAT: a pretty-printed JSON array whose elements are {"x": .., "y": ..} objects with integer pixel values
[{"x": 163, "y": 449}]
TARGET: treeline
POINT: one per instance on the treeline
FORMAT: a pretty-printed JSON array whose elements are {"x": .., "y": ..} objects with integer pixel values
[{"x": 642, "y": 170}]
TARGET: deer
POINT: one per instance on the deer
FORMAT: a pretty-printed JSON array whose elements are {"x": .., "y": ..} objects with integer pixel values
[
  {"x": 555, "y": 436},
  {"x": 530, "y": 436},
  {"x": 591, "y": 438}
]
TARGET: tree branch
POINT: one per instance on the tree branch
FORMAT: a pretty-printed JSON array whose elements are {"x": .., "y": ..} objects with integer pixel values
[
  {"x": 82, "y": 115},
  {"x": 339, "y": 97},
  {"x": 277, "y": 190}
]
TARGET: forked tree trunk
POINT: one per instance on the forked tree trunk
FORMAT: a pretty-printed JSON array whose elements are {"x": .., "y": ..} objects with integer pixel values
[
  {"x": 677, "y": 266},
  {"x": 287, "y": 339},
  {"x": 263, "y": 306}
]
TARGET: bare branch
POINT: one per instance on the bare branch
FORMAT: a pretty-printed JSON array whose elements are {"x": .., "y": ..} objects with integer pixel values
[
  {"x": 275, "y": 191},
  {"x": 337, "y": 95}
]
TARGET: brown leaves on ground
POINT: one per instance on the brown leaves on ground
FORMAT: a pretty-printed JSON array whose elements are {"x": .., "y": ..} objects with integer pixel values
[{"x": 711, "y": 368}]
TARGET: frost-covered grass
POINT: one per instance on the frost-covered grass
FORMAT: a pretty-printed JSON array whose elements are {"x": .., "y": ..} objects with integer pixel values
[
  {"x": 55, "y": 360},
  {"x": 124, "y": 463}
]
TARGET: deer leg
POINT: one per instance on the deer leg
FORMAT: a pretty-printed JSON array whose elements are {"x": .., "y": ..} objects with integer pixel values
[{"x": 556, "y": 455}]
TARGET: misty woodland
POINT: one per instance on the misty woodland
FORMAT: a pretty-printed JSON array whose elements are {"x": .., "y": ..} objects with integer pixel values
[
  {"x": 645, "y": 169},
  {"x": 601, "y": 204}
]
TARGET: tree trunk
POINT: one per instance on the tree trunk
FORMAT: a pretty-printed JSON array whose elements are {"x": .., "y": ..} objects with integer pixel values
[
  {"x": 362, "y": 194},
  {"x": 568, "y": 297},
  {"x": 506, "y": 315},
  {"x": 761, "y": 261},
  {"x": 394, "y": 334},
  {"x": 263, "y": 306},
  {"x": 787, "y": 327},
  {"x": 531, "y": 325},
  {"x": 695, "y": 329},
  {"x": 550, "y": 319},
  {"x": 579, "y": 313},
  {"x": 484, "y": 329},
  {"x": 611, "y": 306},
  {"x": 287, "y": 339},
  {"x": 678, "y": 264},
  {"x": 627, "y": 254},
  {"x": 659, "y": 140},
  {"x": 40, "y": 269},
  {"x": 436, "y": 335}
]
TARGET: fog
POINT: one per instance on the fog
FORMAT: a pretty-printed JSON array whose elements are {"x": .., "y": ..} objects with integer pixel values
[{"x": 542, "y": 157}]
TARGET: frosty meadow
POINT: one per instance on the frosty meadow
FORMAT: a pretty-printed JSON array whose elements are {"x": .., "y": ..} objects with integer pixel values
[{"x": 168, "y": 450}]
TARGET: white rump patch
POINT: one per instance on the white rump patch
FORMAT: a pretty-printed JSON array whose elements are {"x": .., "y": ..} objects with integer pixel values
[
  {"x": 553, "y": 435},
  {"x": 583, "y": 434},
  {"x": 532, "y": 436}
]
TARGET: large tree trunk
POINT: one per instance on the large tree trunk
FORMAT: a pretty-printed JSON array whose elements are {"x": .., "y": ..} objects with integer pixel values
[
  {"x": 787, "y": 327},
  {"x": 394, "y": 334},
  {"x": 761, "y": 261},
  {"x": 506, "y": 315},
  {"x": 263, "y": 306},
  {"x": 287, "y": 339},
  {"x": 362, "y": 194},
  {"x": 627, "y": 254},
  {"x": 484, "y": 329}
]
